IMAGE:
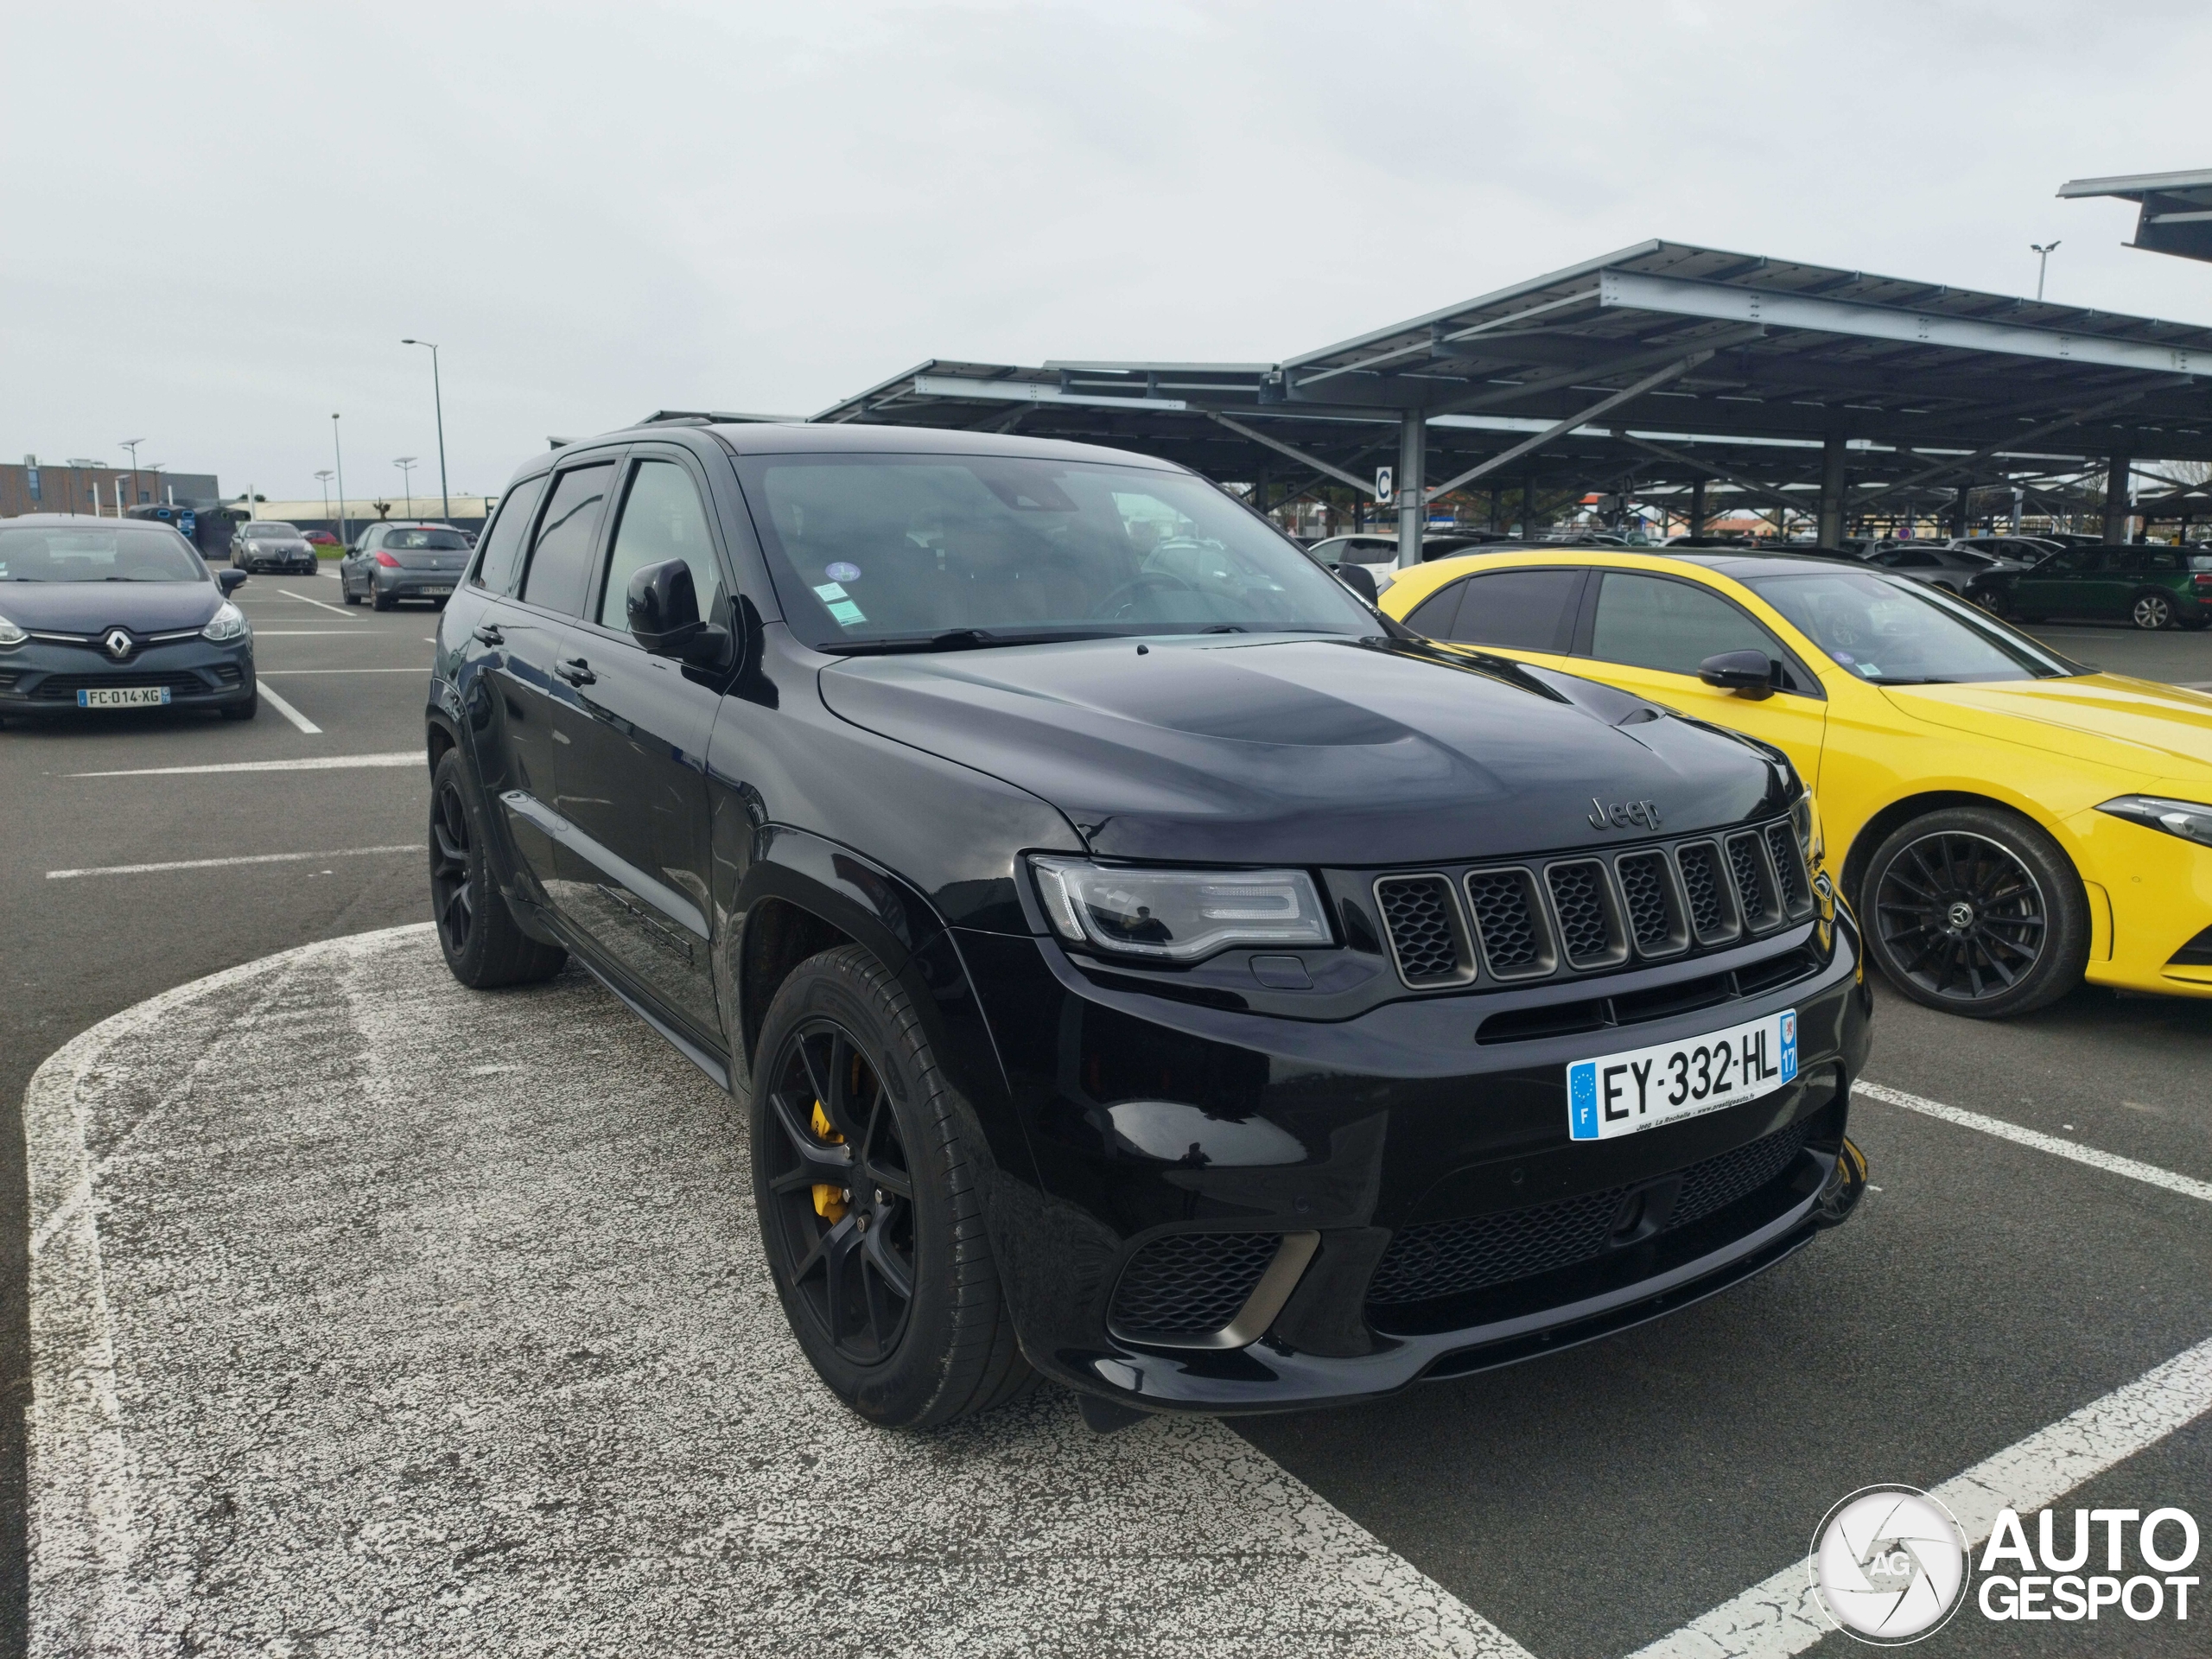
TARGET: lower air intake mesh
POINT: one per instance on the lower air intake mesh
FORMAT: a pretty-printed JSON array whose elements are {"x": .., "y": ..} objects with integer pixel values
[{"x": 1190, "y": 1284}]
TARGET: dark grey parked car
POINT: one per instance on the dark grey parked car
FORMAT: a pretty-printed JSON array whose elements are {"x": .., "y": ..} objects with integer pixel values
[
  {"x": 260, "y": 545},
  {"x": 392, "y": 562},
  {"x": 1949, "y": 568}
]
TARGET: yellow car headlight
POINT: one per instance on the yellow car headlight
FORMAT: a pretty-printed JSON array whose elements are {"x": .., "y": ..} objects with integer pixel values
[{"x": 2190, "y": 820}]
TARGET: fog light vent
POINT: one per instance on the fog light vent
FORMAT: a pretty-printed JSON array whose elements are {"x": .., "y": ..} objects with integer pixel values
[{"x": 1190, "y": 1286}]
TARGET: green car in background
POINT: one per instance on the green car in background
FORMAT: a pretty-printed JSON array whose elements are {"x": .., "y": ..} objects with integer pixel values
[{"x": 2151, "y": 587}]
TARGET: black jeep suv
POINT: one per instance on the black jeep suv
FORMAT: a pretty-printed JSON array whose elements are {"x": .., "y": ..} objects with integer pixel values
[{"x": 1145, "y": 964}]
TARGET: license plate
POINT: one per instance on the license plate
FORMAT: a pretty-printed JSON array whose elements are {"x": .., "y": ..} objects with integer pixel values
[
  {"x": 122, "y": 696},
  {"x": 436, "y": 593},
  {"x": 1618, "y": 1094}
]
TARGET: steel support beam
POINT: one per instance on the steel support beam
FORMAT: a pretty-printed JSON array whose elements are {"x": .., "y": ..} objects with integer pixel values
[
  {"x": 1604, "y": 406},
  {"x": 1835, "y": 487},
  {"x": 2118, "y": 507},
  {"x": 1585, "y": 373},
  {"x": 1412, "y": 501},
  {"x": 1291, "y": 450},
  {"x": 1703, "y": 469},
  {"x": 1968, "y": 463}
]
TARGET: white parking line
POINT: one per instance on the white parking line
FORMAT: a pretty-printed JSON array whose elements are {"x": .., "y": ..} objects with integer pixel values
[
  {"x": 222, "y": 864},
  {"x": 308, "y": 634},
  {"x": 1781, "y": 1616},
  {"x": 288, "y": 711},
  {"x": 2186, "y": 1184},
  {"x": 265, "y": 673},
  {"x": 335, "y": 610},
  {"x": 312, "y": 763}
]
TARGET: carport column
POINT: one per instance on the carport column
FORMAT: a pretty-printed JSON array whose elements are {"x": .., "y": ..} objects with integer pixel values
[
  {"x": 1697, "y": 506},
  {"x": 1833, "y": 485},
  {"x": 1962, "y": 522},
  {"x": 2118, "y": 472},
  {"x": 1529, "y": 505},
  {"x": 1413, "y": 511}
]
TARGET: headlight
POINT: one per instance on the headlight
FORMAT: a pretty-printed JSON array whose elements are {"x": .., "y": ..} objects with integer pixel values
[
  {"x": 229, "y": 624},
  {"x": 2188, "y": 819},
  {"x": 1179, "y": 915},
  {"x": 1805, "y": 819},
  {"x": 10, "y": 634}
]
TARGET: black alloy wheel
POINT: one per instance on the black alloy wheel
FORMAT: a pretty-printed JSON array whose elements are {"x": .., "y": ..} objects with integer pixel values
[
  {"x": 845, "y": 1197},
  {"x": 484, "y": 946},
  {"x": 2151, "y": 611},
  {"x": 867, "y": 1176},
  {"x": 1976, "y": 910}
]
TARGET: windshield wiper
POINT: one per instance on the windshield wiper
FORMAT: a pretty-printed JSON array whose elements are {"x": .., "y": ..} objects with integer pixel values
[
  {"x": 1912, "y": 679},
  {"x": 959, "y": 640}
]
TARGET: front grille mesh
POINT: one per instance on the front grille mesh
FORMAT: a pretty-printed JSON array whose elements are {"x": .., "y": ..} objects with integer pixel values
[
  {"x": 1702, "y": 875},
  {"x": 1190, "y": 1284},
  {"x": 1500, "y": 899},
  {"x": 1788, "y": 864},
  {"x": 1578, "y": 895},
  {"x": 1450, "y": 1258},
  {"x": 1424, "y": 927},
  {"x": 1751, "y": 882},
  {"x": 1643, "y": 882}
]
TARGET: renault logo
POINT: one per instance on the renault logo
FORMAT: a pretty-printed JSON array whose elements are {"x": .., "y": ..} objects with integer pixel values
[{"x": 118, "y": 643}]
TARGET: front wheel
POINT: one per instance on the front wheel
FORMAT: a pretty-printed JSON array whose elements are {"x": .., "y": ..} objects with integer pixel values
[
  {"x": 483, "y": 945},
  {"x": 347, "y": 594},
  {"x": 1976, "y": 910},
  {"x": 865, "y": 1173},
  {"x": 2151, "y": 611},
  {"x": 1995, "y": 600}
]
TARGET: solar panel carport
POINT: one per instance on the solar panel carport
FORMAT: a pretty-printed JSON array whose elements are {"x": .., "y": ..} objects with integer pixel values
[{"x": 1798, "y": 385}]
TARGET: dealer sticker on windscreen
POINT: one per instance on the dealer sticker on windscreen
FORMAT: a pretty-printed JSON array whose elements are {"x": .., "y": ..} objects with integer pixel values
[{"x": 1620, "y": 1094}]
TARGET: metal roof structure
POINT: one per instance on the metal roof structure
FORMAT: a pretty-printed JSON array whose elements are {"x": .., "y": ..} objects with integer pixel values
[
  {"x": 1793, "y": 383},
  {"x": 2177, "y": 208}
]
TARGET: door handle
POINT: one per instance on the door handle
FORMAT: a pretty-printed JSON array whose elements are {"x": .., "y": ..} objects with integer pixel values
[
  {"x": 490, "y": 635},
  {"x": 575, "y": 671}
]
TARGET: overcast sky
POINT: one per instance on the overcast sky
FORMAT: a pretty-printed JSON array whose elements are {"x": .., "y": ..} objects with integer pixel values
[{"x": 217, "y": 222}]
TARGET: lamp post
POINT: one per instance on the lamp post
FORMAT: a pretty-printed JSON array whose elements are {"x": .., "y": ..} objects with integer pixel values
[
  {"x": 323, "y": 478},
  {"x": 338, "y": 455},
  {"x": 2042, "y": 251},
  {"x": 406, "y": 465},
  {"x": 438, "y": 402},
  {"x": 131, "y": 444}
]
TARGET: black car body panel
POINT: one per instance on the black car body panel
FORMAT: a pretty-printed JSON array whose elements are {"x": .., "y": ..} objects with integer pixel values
[{"x": 693, "y": 832}]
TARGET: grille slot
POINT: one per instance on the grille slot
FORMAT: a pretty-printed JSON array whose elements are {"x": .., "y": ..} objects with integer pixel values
[
  {"x": 1789, "y": 867},
  {"x": 1655, "y": 910},
  {"x": 1190, "y": 1285},
  {"x": 1510, "y": 923},
  {"x": 1754, "y": 884},
  {"x": 1428, "y": 938},
  {"x": 1450, "y": 1258},
  {"x": 1591, "y": 930},
  {"x": 1713, "y": 904}
]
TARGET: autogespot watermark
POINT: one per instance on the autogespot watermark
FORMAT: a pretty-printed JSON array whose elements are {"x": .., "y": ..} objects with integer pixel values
[{"x": 1890, "y": 1566}]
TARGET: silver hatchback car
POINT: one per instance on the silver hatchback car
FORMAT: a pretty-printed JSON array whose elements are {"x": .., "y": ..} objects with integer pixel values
[{"x": 402, "y": 560}]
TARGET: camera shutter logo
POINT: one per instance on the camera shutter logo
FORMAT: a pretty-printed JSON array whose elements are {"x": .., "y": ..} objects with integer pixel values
[{"x": 1889, "y": 1565}]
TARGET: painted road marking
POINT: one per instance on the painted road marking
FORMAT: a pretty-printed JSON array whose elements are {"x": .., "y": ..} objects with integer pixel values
[
  {"x": 266, "y": 672},
  {"x": 307, "y": 633},
  {"x": 2056, "y": 1146},
  {"x": 441, "y": 1358},
  {"x": 286, "y": 710},
  {"x": 221, "y": 863},
  {"x": 1781, "y": 1617},
  {"x": 335, "y": 610},
  {"x": 311, "y": 763}
]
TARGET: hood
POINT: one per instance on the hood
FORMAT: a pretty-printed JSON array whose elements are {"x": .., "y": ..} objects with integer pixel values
[
  {"x": 2109, "y": 720},
  {"x": 1304, "y": 752},
  {"x": 90, "y": 606}
]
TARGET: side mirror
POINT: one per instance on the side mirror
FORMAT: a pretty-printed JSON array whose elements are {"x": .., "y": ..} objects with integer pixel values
[
  {"x": 663, "y": 615},
  {"x": 230, "y": 581},
  {"x": 1749, "y": 673},
  {"x": 1359, "y": 579}
]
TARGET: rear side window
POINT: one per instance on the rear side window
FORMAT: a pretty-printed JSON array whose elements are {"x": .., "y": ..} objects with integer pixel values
[
  {"x": 1654, "y": 622},
  {"x": 1433, "y": 616},
  {"x": 495, "y": 571},
  {"x": 1523, "y": 610},
  {"x": 560, "y": 562},
  {"x": 662, "y": 519}
]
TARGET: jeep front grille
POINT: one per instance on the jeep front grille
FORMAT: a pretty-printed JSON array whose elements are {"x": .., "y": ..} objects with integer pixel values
[{"x": 1425, "y": 932}]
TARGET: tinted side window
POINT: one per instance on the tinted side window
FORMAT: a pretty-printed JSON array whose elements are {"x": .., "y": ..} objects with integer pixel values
[
  {"x": 560, "y": 562},
  {"x": 1651, "y": 622},
  {"x": 495, "y": 568},
  {"x": 1433, "y": 616},
  {"x": 662, "y": 519},
  {"x": 1526, "y": 610}
]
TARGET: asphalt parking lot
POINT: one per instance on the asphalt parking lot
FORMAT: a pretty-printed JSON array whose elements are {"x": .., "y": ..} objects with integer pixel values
[{"x": 349, "y": 1345}]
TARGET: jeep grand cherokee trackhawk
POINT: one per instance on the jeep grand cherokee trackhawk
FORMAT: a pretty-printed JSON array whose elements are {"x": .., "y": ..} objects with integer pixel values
[{"x": 1145, "y": 965}]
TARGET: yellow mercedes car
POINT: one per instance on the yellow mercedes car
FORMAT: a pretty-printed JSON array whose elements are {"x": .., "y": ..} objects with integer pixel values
[{"x": 2005, "y": 822}]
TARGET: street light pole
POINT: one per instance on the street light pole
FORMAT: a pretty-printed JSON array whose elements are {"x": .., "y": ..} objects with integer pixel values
[
  {"x": 131, "y": 444},
  {"x": 438, "y": 401},
  {"x": 338, "y": 454},
  {"x": 406, "y": 465},
  {"x": 323, "y": 478},
  {"x": 2042, "y": 250}
]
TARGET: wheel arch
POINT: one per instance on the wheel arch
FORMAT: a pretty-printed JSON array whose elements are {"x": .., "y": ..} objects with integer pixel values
[{"x": 1872, "y": 833}]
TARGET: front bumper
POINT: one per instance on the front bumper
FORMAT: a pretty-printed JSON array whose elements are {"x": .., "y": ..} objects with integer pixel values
[
  {"x": 1155, "y": 1119},
  {"x": 2150, "y": 901},
  {"x": 279, "y": 564},
  {"x": 41, "y": 678}
]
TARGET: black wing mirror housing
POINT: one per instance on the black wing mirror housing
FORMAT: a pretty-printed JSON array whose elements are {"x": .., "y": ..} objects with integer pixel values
[
  {"x": 1360, "y": 580},
  {"x": 663, "y": 614},
  {"x": 230, "y": 581},
  {"x": 1748, "y": 673}
]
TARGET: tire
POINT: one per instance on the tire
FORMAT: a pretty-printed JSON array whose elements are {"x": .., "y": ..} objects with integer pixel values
[
  {"x": 245, "y": 710},
  {"x": 2152, "y": 610},
  {"x": 483, "y": 945},
  {"x": 842, "y": 1051},
  {"x": 1996, "y": 601},
  {"x": 347, "y": 594},
  {"x": 382, "y": 601},
  {"x": 1975, "y": 910}
]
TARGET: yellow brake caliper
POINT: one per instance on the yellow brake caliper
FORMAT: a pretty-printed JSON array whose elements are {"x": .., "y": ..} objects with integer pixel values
[{"x": 829, "y": 1199}]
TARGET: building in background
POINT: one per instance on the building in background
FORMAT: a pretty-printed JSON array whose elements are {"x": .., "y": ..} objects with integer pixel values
[{"x": 90, "y": 486}]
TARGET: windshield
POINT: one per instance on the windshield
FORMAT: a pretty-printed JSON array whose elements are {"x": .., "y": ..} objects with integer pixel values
[
  {"x": 1898, "y": 632},
  {"x": 97, "y": 555},
  {"x": 432, "y": 541},
  {"x": 881, "y": 550},
  {"x": 271, "y": 528}
]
